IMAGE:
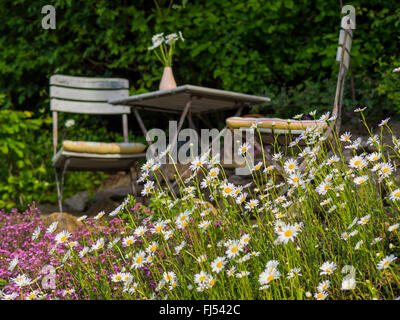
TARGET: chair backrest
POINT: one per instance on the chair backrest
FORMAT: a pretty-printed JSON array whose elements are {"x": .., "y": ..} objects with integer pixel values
[
  {"x": 343, "y": 57},
  {"x": 87, "y": 95}
]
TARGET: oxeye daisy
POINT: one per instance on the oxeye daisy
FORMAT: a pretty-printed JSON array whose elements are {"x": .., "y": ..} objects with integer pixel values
[
  {"x": 228, "y": 189},
  {"x": 62, "y": 237},
  {"x": 290, "y": 165},
  {"x": 386, "y": 170},
  {"x": 83, "y": 252},
  {"x": 205, "y": 212},
  {"x": 287, "y": 233},
  {"x": 139, "y": 259},
  {"x": 158, "y": 227},
  {"x": 241, "y": 198},
  {"x": 384, "y": 263},
  {"x": 99, "y": 244},
  {"x": 252, "y": 204},
  {"x": 202, "y": 258},
  {"x": 345, "y": 137},
  {"x": 140, "y": 231},
  {"x": 116, "y": 277},
  {"x": 257, "y": 166},
  {"x": 231, "y": 272},
  {"x": 204, "y": 224},
  {"x": 267, "y": 276},
  {"x": 384, "y": 122},
  {"x": 147, "y": 188},
  {"x": 169, "y": 276},
  {"x": 197, "y": 163},
  {"x": 213, "y": 173},
  {"x": 52, "y": 227},
  {"x": 393, "y": 227},
  {"x": 294, "y": 272},
  {"x": 324, "y": 285},
  {"x": 13, "y": 263},
  {"x": 364, "y": 219},
  {"x": 218, "y": 264},
  {"x": 200, "y": 277},
  {"x": 233, "y": 249},
  {"x": 323, "y": 187},
  {"x": 322, "y": 295},
  {"x": 356, "y": 162},
  {"x": 245, "y": 239},
  {"x": 295, "y": 179},
  {"x": 395, "y": 195},
  {"x": 361, "y": 180},
  {"x": 244, "y": 148},
  {"x": 374, "y": 156},
  {"x": 128, "y": 241},
  {"x": 327, "y": 268},
  {"x": 277, "y": 156}
]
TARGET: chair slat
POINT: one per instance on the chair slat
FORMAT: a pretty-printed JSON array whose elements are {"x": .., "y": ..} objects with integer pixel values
[
  {"x": 87, "y": 94},
  {"x": 87, "y": 107},
  {"x": 89, "y": 83}
]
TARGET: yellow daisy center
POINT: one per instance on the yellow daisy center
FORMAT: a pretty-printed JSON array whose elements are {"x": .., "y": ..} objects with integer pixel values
[{"x": 288, "y": 233}]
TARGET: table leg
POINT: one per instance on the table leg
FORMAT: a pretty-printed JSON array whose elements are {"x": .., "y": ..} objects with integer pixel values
[
  {"x": 144, "y": 130},
  {"x": 223, "y": 131}
]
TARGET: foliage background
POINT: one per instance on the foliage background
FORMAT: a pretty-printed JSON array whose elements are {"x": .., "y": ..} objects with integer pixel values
[{"x": 283, "y": 49}]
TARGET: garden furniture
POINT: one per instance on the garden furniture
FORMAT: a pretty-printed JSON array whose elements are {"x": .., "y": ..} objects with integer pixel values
[
  {"x": 188, "y": 101},
  {"x": 89, "y": 96},
  {"x": 272, "y": 126}
]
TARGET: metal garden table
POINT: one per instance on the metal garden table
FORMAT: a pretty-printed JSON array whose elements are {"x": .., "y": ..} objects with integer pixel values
[{"x": 188, "y": 101}]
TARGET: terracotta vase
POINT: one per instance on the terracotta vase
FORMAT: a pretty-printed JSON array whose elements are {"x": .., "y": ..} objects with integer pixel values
[{"x": 167, "y": 80}]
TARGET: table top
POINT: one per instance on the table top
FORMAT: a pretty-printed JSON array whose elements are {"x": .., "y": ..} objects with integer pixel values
[{"x": 203, "y": 99}]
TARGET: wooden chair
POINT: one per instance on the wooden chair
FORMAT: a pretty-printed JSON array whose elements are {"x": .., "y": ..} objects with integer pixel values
[
  {"x": 269, "y": 127},
  {"x": 89, "y": 96}
]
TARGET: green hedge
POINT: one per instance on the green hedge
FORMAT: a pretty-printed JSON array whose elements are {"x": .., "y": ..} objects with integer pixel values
[{"x": 272, "y": 47}]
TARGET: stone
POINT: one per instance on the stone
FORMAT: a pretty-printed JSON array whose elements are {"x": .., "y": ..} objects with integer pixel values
[
  {"x": 105, "y": 204},
  {"x": 78, "y": 201},
  {"x": 69, "y": 222},
  {"x": 171, "y": 174}
]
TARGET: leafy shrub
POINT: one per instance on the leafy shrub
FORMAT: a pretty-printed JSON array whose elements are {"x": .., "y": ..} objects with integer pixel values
[
  {"x": 26, "y": 173},
  {"x": 254, "y": 47}
]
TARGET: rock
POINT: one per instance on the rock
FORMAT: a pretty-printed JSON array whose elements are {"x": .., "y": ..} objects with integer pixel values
[
  {"x": 116, "y": 194},
  {"x": 206, "y": 204},
  {"x": 78, "y": 201},
  {"x": 47, "y": 208},
  {"x": 105, "y": 204},
  {"x": 69, "y": 222},
  {"x": 239, "y": 180},
  {"x": 120, "y": 179},
  {"x": 171, "y": 174}
]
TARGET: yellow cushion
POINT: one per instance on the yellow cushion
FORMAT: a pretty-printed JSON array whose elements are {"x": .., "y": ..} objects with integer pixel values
[
  {"x": 267, "y": 123},
  {"x": 103, "y": 147}
]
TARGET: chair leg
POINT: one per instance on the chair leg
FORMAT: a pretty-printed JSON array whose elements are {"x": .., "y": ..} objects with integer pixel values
[
  {"x": 133, "y": 181},
  {"x": 59, "y": 196},
  {"x": 60, "y": 189}
]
